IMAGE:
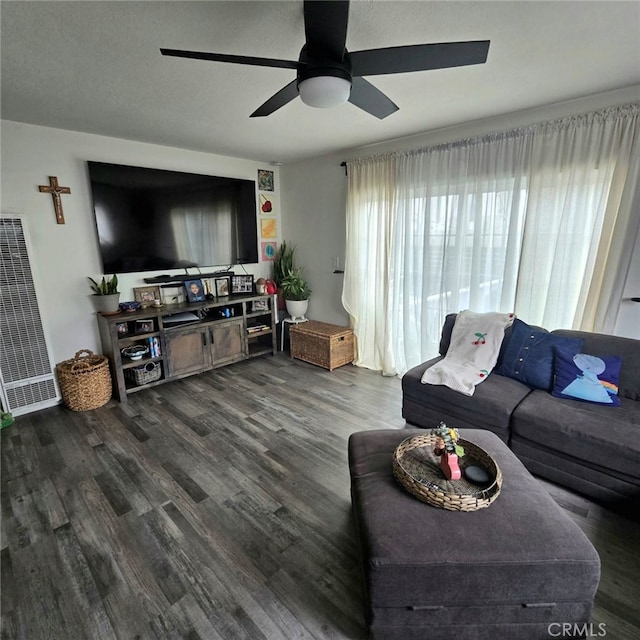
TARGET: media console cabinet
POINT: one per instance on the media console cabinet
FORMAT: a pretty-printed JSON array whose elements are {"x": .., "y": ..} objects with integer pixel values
[{"x": 225, "y": 330}]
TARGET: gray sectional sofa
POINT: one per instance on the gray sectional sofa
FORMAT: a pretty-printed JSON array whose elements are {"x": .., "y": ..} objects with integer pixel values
[{"x": 593, "y": 449}]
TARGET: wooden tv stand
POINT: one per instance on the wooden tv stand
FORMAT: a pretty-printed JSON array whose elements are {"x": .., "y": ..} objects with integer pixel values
[{"x": 227, "y": 330}]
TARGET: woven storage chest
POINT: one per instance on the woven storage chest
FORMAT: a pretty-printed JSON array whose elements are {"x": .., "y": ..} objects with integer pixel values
[{"x": 326, "y": 345}]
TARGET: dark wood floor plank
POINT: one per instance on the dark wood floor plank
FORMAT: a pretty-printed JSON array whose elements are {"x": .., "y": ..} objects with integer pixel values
[
  {"x": 111, "y": 466},
  {"x": 155, "y": 546},
  {"x": 52, "y": 505},
  {"x": 9, "y": 607},
  {"x": 84, "y": 592},
  {"x": 313, "y": 610},
  {"x": 218, "y": 508},
  {"x": 132, "y": 596},
  {"x": 31, "y": 522},
  {"x": 211, "y": 544},
  {"x": 40, "y": 581},
  {"x": 191, "y": 621},
  {"x": 182, "y": 477}
]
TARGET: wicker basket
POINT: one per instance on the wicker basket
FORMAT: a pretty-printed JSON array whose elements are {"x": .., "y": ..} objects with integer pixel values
[
  {"x": 326, "y": 345},
  {"x": 85, "y": 381},
  {"x": 417, "y": 469},
  {"x": 144, "y": 374}
]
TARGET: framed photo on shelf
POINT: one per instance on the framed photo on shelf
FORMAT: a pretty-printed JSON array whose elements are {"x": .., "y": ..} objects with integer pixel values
[
  {"x": 259, "y": 305},
  {"x": 144, "y": 326},
  {"x": 222, "y": 287},
  {"x": 195, "y": 290},
  {"x": 242, "y": 284},
  {"x": 146, "y": 295}
]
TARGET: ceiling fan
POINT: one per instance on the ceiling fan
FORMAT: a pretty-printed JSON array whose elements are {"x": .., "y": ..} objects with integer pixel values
[{"x": 327, "y": 74}]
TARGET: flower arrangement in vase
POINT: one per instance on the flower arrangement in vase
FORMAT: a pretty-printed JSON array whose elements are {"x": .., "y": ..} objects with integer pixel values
[{"x": 449, "y": 450}]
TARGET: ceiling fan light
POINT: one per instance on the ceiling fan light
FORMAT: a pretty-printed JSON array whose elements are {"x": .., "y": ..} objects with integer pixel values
[{"x": 324, "y": 91}]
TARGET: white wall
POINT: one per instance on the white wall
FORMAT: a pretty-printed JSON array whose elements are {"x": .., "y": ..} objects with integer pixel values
[
  {"x": 313, "y": 202},
  {"x": 628, "y": 321},
  {"x": 64, "y": 255},
  {"x": 314, "y": 195}
]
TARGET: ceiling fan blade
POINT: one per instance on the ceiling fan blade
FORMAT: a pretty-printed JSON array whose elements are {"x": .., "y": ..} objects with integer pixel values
[
  {"x": 285, "y": 95},
  {"x": 418, "y": 57},
  {"x": 223, "y": 57},
  {"x": 370, "y": 99},
  {"x": 325, "y": 27}
]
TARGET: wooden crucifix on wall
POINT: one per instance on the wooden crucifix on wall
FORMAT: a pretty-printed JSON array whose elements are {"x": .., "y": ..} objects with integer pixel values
[{"x": 55, "y": 190}]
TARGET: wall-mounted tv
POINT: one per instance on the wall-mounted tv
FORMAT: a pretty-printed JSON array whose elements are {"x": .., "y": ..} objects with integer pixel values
[{"x": 153, "y": 219}]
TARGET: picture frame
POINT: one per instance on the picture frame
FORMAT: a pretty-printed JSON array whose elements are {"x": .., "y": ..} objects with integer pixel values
[
  {"x": 266, "y": 205},
  {"x": 195, "y": 290},
  {"x": 146, "y": 295},
  {"x": 222, "y": 286},
  {"x": 269, "y": 228},
  {"x": 259, "y": 305},
  {"x": 242, "y": 284},
  {"x": 268, "y": 251},
  {"x": 144, "y": 326},
  {"x": 265, "y": 180}
]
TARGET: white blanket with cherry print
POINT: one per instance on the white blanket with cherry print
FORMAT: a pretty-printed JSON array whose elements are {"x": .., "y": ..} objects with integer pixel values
[{"x": 473, "y": 351}]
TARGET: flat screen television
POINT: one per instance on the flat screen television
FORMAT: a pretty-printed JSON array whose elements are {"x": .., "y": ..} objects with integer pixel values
[{"x": 154, "y": 220}]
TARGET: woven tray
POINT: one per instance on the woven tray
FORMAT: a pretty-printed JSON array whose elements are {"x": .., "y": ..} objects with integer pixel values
[{"x": 417, "y": 469}]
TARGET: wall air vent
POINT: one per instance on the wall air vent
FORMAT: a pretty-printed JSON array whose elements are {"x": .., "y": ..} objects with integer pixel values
[{"x": 27, "y": 378}]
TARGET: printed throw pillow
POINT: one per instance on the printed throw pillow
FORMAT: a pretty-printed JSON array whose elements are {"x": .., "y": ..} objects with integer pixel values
[
  {"x": 580, "y": 376},
  {"x": 529, "y": 355}
]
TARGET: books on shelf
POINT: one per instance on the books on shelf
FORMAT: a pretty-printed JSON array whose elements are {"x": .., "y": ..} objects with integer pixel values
[
  {"x": 154, "y": 347},
  {"x": 257, "y": 328}
]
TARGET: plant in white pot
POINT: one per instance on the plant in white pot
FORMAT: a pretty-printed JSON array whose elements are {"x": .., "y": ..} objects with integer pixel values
[
  {"x": 296, "y": 292},
  {"x": 106, "y": 297}
]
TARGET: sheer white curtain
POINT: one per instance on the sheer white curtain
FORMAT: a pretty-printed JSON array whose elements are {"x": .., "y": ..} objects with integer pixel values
[
  {"x": 579, "y": 170},
  {"x": 509, "y": 222},
  {"x": 201, "y": 229}
]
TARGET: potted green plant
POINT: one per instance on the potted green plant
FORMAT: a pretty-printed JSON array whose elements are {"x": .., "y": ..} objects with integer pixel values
[
  {"x": 296, "y": 292},
  {"x": 106, "y": 297},
  {"x": 282, "y": 265}
]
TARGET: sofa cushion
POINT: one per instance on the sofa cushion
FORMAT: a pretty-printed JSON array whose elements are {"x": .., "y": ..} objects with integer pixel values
[
  {"x": 594, "y": 434},
  {"x": 529, "y": 354},
  {"x": 489, "y": 408},
  {"x": 600, "y": 344},
  {"x": 618, "y": 491},
  {"x": 581, "y": 376}
]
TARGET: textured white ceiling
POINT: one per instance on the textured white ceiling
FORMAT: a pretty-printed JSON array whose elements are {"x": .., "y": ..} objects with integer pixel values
[{"x": 95, "y": 67}]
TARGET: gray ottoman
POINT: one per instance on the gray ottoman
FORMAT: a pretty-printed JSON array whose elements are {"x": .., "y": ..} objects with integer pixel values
[{"x": 507, "y": 571}]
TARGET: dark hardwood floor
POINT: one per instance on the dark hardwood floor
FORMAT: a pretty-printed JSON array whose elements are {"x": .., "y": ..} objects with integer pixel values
[{"x": 217, "y": 508}]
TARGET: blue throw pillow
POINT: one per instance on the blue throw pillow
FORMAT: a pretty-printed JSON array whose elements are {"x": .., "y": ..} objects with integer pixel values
[
  {"x": 529, "y": 355},
  {"x": 588, "y": 378}
]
